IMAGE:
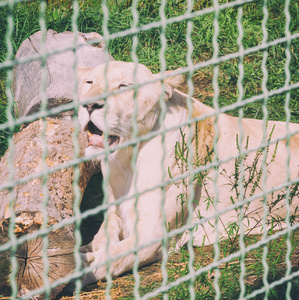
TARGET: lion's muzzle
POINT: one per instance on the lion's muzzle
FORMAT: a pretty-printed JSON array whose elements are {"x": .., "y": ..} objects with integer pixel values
[{"x": 96, "y": 136}]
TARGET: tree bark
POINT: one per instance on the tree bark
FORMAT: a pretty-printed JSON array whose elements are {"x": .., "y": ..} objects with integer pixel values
[{"x": 23, "y": 199}]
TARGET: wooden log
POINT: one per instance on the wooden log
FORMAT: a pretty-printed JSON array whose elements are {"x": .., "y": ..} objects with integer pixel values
[
  {"x": 27, "y": 77},
  {"x": 28, "y": 198}
]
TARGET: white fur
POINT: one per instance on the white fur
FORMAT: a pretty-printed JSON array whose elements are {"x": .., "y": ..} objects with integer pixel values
[{"x": 156, "y": 156}]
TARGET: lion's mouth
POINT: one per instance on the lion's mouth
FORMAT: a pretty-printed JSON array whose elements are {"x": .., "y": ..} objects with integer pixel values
[{"x": 96, "y": 136}]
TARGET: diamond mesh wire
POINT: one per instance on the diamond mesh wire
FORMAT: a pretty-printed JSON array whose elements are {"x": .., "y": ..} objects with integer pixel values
[{"x": 265, "y": 94}]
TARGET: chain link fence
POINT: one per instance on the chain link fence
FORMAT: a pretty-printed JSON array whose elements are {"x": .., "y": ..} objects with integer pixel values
[{"x": 229, "y": 257}]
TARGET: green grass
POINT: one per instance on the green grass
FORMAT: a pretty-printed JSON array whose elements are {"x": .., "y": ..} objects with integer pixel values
[
  {"x": 59, "y": 13},
  {"x": 229, "y": 273},
  {"x": 58, "y": 16}
]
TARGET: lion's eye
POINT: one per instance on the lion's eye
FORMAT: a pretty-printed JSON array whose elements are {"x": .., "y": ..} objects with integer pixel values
[
  {"x": 89, "y": 81},
  {"x": 122, "y": 86}
]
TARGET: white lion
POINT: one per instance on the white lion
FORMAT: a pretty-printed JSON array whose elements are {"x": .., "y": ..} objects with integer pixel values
[{"x": 136, "y": 176}]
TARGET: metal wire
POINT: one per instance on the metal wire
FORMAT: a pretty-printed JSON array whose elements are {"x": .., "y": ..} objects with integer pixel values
[
  {"x": 215, "y": 147},
  {"x": 191, "y": 192},
  {"x": 10, "y": 123},
  {"x": 77, "y": 193},
  {"x": 240, "y": 142},
  {"x": 265, "y": 118},
  {"x": 45, "y": 191},
  {"x": 288, "y": 118},
  {"x": 135, "y": 149},
  {"x": 161, "y": 120}
]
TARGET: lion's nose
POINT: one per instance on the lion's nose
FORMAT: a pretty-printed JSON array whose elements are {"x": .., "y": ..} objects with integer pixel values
[{"x": 92, "y": 106}]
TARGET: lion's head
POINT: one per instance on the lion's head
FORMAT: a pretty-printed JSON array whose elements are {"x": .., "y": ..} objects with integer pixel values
[{"x": 114, "y": 115}]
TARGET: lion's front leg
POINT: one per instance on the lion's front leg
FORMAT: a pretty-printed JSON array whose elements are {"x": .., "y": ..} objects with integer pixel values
[
  {"x": 99, "y": 260},
  {"x": 119, "y": 254}
]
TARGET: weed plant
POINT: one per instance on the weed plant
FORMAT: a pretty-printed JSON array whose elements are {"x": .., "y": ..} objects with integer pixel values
[
  {"x": 245, "y": 181},
  {"x": 58, "y": 16}
]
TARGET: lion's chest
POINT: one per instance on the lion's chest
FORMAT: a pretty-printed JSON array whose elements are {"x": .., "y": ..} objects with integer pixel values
[{"x": 119, "y": 174}]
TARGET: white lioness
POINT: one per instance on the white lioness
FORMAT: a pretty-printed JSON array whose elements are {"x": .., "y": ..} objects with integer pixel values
[{"x": 157, "y": 162}]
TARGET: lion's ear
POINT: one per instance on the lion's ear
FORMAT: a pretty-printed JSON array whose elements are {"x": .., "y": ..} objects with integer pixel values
[
  {"x": 82, "y": 72},
  {"x": 171, "y": 82}
]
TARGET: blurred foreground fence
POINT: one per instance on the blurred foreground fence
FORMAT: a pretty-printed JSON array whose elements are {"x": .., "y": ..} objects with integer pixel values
[{"x": 39, "y": 212}]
